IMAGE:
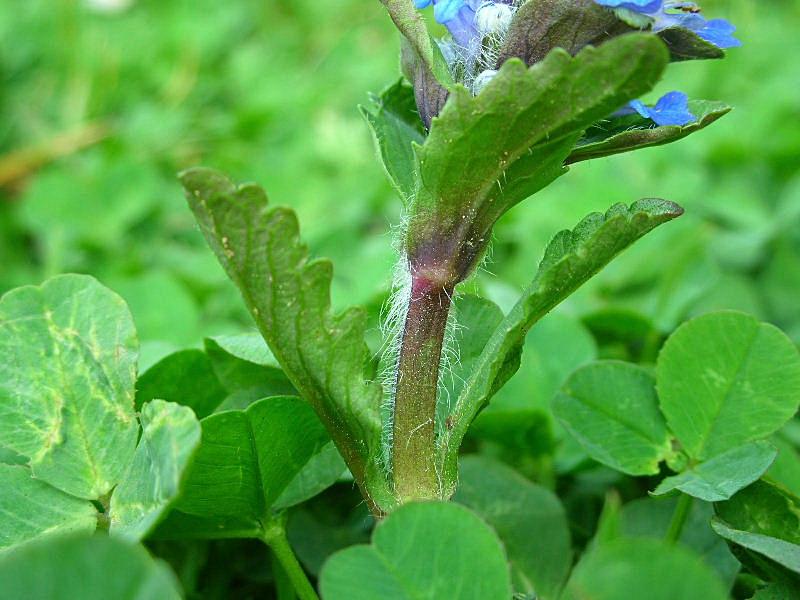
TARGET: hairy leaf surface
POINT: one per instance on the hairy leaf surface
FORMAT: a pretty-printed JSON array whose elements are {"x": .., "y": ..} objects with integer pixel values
[
  {"x": 289, "y": 296},
  {"x": 541, "y": 25}
]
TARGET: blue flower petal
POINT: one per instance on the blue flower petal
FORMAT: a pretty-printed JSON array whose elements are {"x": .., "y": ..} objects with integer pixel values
[
  {"x": 671, "y": 109},
  {"x": 462, "y": 27},
  {"x": 720, "y": 33},
  {"x": 716, "y": 31},
  {"x": 422, "y": 3},
  {"x": 639, "y": 6},
  {"x": 639, "y": 107},
  {"x": 447, "y": 10}
]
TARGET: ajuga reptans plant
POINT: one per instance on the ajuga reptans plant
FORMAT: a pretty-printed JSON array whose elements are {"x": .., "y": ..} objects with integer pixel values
[
  {"x": 483, "y": 118},
  {"x": 224, "y": 442}
]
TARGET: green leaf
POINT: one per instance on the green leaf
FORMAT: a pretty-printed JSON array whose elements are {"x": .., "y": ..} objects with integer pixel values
[
  {"x": 541, "y": 25},
  {"x": 626, "y": 134},
  {"x": 89, "y": 568},
  {"x": 316, "y": 531},
  {"x": 651, "y": 518},
  {"x": 764, "y": 508},
  {"x": 776, "y": 591},
  {"x": 247, "y": 347},
  {"x": 320, "y": 472},
  {"x": 486, "y": 153},
  {"x": 245, "y": 462},
  {"x": 396, "y": 126},
  {"x": 571, "y": 259},
  {"x": 170, "y": 435},
  {"x": 67, "y": 371},
  {"x": 247, "y": 370},
  {"x": 67, "y": 359},
  {"x": 9, "y": 457},
  {"x": 724, "y": 379},
  {"x": 684, "y": 44},
  {"x": 186, "y": 377},
  {"x": 786, "y": 468},
  {"x": 476, "y": 319},
  {"x": 32, "y": 508},
  {"x": 782, "y": 552},
  {"x": 289, "y": 296},
  {"x": 720, "y": 477},
  {"x": 764, "y": 519},
  {"x": 611, "y": 408},
  {"x": 423, "y": 551},
  {"x": 625, "y": 567},
  {"x": 529, "y": 520}
]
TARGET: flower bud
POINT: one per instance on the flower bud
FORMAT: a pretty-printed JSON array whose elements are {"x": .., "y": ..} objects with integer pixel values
[{"x": 493, "y": 18}]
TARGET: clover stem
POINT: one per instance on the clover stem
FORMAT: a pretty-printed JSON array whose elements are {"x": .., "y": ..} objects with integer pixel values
[
  {"x": 415, "y": 393},
  {"x": 274, "y": 536},
  {"x": 679, "y": 517}
]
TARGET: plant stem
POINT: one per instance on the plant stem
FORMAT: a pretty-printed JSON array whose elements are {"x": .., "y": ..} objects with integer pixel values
[
  {"x": 275, "y": 537},
  {"x": 416, "y": 387},
  {"x": 284, "y": 590},
  {"x": 682, "y": 510}
]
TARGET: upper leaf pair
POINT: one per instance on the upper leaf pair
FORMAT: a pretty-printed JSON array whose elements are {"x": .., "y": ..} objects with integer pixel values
[{"x": 485, "y": 154}]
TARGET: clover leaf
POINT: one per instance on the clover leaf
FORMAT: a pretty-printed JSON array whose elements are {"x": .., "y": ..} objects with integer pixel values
[{"x": 68, "y": 354}]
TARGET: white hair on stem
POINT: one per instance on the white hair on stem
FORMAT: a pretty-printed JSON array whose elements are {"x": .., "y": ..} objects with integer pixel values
[
  {"x": 466, "y": 65},
  {"x": 393, "y": 317}
]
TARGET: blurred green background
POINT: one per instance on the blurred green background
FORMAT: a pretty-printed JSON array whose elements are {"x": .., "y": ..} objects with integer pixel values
[{"x": 102, "y": 107}]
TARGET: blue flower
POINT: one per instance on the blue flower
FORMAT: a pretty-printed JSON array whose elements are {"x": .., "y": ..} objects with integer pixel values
[
  {"x": 671, "y": 109},
  {"x": 715, "y": 31},
  {"x": 665, "y": 14}
]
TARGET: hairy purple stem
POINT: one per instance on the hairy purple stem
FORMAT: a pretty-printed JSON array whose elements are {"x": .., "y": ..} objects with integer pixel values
[{"x": 416, "y": 388}]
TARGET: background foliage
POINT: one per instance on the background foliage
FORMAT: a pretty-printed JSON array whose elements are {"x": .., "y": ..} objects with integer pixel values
[{"x": 101, "y": 109}]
